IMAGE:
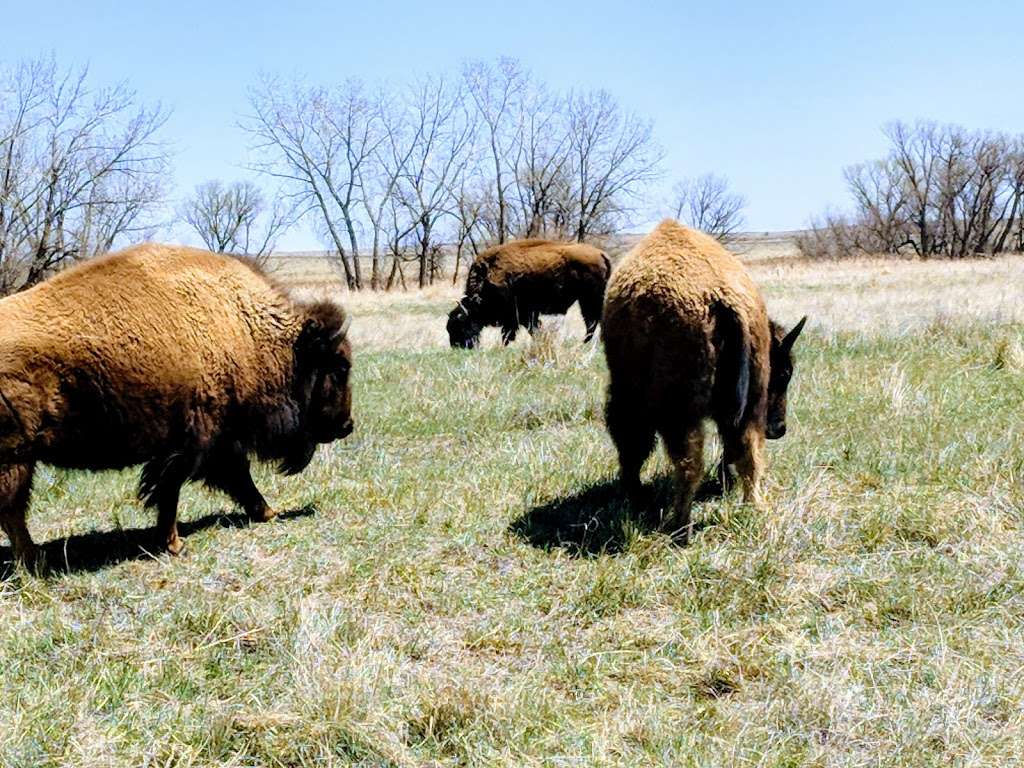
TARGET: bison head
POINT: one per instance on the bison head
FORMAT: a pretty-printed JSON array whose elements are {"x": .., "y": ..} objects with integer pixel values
[
  {"x": 781, "y": 373},
  {"x": 463, "y": 330},
  {"x": 323, "y": 357}
]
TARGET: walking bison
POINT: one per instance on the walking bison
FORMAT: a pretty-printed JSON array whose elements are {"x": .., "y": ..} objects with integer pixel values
[
  {"x": 181, "y": 360},
  {"x": 511, "y": 285},
  {"x": 687, "y": 338}
]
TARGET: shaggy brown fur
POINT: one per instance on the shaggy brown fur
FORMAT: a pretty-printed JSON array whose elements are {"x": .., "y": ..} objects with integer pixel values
[
  {"x": 687, "y": 338},
  {"x": 513, "y": 284},
  {"x": 181, "y": 359}
]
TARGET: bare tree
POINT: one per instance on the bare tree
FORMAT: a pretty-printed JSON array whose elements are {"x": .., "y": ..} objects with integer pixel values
[
  {"x": 913, "y": 167},
  {"x": 886, "y": 219},
  {"x": 80, "y": 167},
  {"x": 705, "y": 203},
  {"x": 442, "y": 136},
  {"x": 1011, "y": 235},
  {"x": 236, "y": 218},
  {"x": 614, "y": 157},
  {"x": 940, "y": 190},
  {"x": 542, "y": 164},
  {"x": 467, "y": 209},
  {"x": 496, "y": 91},
  {"x": 471, "y": 162},
  {"x": 318, "y": 141},
  {"x": 379, "y": 180}
]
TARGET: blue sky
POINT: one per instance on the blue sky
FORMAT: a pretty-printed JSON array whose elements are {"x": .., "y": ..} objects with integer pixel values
[{"x": 776, "y": 96}]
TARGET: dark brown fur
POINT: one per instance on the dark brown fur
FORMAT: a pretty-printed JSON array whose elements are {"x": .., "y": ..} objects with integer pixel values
[
  {"x": 687, "y": 338},
  {"x": 511, "y": 285},
  {"x": 185, "y": 361}
]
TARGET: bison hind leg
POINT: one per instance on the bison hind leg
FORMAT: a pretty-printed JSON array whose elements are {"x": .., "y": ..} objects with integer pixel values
[
  {"x": 684, "y": 445},
  {"x": 227, "y": 470},
  {"x": 633, "y": 434},
  {"x": 590, "y": 308}
]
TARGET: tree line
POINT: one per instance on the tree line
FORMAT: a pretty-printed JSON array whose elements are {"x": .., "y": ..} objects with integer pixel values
[
  {"x": 940, "y": 191},
  {"x": 80, "y": 168},
  {"x": 395, "y": 180},
  {"x": 488, "y": 156}
]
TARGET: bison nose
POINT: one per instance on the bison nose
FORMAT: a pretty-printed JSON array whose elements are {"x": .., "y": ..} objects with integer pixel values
[
  {"x": 775, "y": 431},
  {"x": 346, "y": 429}
]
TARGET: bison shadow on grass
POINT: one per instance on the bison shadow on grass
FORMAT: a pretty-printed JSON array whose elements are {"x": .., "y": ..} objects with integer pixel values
[
  {"x": 597, "y": 520},
  {"x": 96, "y": 550}
]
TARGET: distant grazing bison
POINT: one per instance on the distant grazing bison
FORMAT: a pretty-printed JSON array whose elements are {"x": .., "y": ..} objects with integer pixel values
[
  {"x": 687, "y": 338},
  {"x": 511, "y": 285},
  {"x": 181, "y": 360}
]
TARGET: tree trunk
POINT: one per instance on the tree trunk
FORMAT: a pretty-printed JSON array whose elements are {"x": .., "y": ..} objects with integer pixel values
[{"x": 357, "y": 281}]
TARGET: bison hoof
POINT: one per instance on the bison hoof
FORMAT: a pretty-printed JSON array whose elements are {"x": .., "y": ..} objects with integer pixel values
[
  {"x": 263, "y": 515},
  {"x": 31, "y": 559},
  {"x": 680, "y": 535},
  {"x": 175, "y": 546}
]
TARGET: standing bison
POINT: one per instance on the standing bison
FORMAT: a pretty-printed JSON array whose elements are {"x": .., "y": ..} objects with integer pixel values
[
  {"x": 181, "y": 360},
  {"x": 687, "y": 338},
  {"x": 513, "y": 284}
]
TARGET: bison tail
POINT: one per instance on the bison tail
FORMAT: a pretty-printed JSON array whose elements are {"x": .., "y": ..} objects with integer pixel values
[{"x": 733, "y": 368}]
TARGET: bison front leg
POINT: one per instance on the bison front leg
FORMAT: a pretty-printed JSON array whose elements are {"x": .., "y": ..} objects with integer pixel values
[
  {"x": 15, "y": 489},
  {"x": 229, "y": 472},
  {"x": 745, "y": 451},
  {"x": 508, "y": 332}
]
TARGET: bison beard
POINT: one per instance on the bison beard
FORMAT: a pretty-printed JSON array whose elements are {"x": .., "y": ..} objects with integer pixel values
[{"x": 91, "y": 377}]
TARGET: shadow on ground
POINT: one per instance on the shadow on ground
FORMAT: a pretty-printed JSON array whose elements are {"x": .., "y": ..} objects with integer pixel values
[
  {"x": 97, "y": 550},
  {"x": 599, "y": 519}
]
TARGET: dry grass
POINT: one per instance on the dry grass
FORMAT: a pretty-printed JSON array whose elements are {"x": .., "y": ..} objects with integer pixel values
[
  {"x": 462, "y": 584},
  {"x": 871, "y": 297},
  {"x": 886, "y": 297}
]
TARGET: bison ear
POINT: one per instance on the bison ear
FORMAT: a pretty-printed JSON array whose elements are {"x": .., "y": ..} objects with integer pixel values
[
  {"x": 323, "y": 330},
  {"x": 791, "y": 337}
]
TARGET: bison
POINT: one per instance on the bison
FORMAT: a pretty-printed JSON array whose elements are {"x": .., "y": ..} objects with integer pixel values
[
  {"x": 181, "y": 360},
  {"x": 511, "y": 285},
  {"x": 687, "y": 338}
]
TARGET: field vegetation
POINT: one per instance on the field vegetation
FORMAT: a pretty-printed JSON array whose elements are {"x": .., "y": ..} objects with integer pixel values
[{"x": 460, "y": 582}]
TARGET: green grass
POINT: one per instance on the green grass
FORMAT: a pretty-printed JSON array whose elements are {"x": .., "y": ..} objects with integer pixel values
[{"x": 461, "y": 584}]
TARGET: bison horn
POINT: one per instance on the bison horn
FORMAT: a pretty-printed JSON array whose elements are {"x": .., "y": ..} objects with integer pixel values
[
  {"x": 790, "y": 340},
  {"x": 343, "y": 330}
]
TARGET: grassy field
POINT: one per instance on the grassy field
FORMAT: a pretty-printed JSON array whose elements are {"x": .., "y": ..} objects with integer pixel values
[{"x": 460, "y": 583}]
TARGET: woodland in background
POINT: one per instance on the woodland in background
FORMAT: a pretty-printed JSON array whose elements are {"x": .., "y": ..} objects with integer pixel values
[
  {"x": 491, "y": 155},
  {"x": 395, "y": 179},
  {"x": 405, "y": 183},
  {"x": 80, "y": 169},
  {"x": 941, "y": 191}
]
